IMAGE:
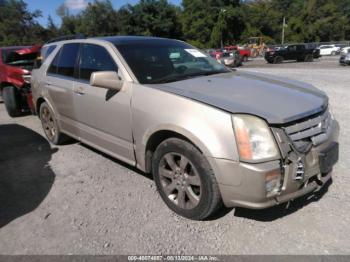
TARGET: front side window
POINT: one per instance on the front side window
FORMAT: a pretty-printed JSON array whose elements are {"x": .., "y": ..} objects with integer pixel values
[
  {"x": 292, "y": 48},
  {"x": 95, "y": 58},
  {"x": 164, "y": 61}
]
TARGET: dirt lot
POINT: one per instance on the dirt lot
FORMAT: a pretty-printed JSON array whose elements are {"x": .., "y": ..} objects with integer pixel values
[{"x": 74, "y": 200}]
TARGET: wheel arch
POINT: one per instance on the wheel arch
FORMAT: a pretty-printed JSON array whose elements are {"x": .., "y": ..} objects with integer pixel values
[
  {"x": 39, "y": 101},
  {"x": 4, "y": 84},
  {"x": 156, "y": 137}
]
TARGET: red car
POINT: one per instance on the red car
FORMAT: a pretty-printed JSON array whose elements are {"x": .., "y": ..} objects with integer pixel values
[
  {"x": 16, "y": 64},
  {"x": 244, "y": 52}
]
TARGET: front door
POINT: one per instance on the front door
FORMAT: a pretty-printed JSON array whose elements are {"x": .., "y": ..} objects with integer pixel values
[{"x": 104, "y": 115}]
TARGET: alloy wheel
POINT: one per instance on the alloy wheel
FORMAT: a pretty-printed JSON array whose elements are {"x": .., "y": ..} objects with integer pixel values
[
  {"x": 48, "y": 123},
  {"x": 180, "y": 180}
]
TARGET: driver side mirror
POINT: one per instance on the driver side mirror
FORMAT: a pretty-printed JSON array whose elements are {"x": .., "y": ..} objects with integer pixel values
[{"x": 106, "y": 79}]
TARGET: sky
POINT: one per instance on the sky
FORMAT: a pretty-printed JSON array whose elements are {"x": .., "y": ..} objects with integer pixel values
[{"x": 48, "y": 7}]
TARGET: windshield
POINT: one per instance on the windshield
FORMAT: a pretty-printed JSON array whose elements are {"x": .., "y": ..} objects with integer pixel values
[{"x": 167, "y": 61}]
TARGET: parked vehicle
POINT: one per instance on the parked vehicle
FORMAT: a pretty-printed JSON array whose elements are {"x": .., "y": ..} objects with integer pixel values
[
  {"x": 329, "y": 50},
  {"x": 209, "y": 135},
  {"x": 244, "y": 52},
  {"x": 344, "y": 50},
  {"x": 257, "y": 46},
  {"x": 345, "y": 57},
  {"x": 16, "y": 64},
  {"x": 231, "y": 59},
  {"x": 296, "y": 52}
]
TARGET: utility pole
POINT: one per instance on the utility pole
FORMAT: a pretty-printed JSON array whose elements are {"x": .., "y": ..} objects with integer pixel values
[
  {"x": 222, "y": 13},
  {"x": 283, "y": 26}
]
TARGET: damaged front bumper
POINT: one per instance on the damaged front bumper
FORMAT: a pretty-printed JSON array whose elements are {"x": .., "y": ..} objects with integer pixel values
[{"x": 244, "y": 184}]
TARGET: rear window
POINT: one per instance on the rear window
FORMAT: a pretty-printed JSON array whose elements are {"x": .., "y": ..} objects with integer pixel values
[
  {"x": 5, "y": 53},
  {"x": 10, "y": 57}
]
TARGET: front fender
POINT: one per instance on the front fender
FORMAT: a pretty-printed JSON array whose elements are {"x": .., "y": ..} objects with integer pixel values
[{"x": 208, "y": 128}]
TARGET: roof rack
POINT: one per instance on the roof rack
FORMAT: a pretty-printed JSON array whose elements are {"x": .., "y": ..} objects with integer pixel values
[{"x": 66, "y": 37}]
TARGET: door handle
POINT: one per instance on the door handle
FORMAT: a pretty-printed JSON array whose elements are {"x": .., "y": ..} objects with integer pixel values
[{"x": 79, "y": 91}]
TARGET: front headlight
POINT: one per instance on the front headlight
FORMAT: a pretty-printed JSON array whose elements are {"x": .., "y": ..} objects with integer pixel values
[{"x": 254, "y": 138}]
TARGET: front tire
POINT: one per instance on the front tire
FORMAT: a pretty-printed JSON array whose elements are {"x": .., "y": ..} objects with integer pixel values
[
  {"x": 185, "y": 180},
  {"x": 278, "y": 60},
  {"x": 50, "y": 126},
  {"x": 12, "y": 100}
]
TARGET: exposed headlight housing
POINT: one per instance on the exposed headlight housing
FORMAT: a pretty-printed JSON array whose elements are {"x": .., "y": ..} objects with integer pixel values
[
  {"x": 254, "y": 139},
  {"x": 273, "y": 183}
]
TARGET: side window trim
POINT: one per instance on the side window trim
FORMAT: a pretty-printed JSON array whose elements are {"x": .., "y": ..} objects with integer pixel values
[
  {"x": 58, "y": 56},
  {"x": 77, "y": 63}
]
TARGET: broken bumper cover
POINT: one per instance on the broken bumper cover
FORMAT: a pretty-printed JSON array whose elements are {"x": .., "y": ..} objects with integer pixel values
[{"x": 244, "y": 185}]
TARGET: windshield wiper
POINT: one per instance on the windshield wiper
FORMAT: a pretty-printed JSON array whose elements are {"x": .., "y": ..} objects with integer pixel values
[
  {"x": 167, "y": 79},
  {"x": 207, "y": 73},
  {"x": 174, "y": 78}
]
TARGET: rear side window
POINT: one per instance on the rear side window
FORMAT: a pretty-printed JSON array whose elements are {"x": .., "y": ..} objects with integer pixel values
[
  {"x": 95, "y": 58},
  {"x": 68, "y": 58},
  {"x": 46, "y": 51},
  {"x": 65, "y": 60},
  {"x": 54, "y": 64}
]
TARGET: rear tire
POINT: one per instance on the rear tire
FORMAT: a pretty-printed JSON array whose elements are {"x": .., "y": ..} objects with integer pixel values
[
  {"x": 309, "y": 58},
  {"x": 12, "y": 100},
  {"x": 50, "y": 126},
  {"x": 185, "y": 180}
]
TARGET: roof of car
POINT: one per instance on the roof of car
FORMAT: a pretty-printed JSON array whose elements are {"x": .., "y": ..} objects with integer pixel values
[
  {"x": 116, "y": 40},
  {"x": 132, "y": 39}
]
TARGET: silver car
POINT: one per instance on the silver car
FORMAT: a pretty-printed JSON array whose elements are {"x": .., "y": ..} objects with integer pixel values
[{"x": 209, "y": 136}]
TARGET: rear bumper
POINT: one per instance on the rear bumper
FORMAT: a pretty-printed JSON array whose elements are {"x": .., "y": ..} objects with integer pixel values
[{"x": 243, "y": 184}]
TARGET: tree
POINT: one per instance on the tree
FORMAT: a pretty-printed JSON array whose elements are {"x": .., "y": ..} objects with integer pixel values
[
  {"x": 18, "y": 26},
  {"x": 69, "y": 22},
  {"x": 99, "y": 19},
  {"x": 207, "y": 22},
  {"x": 151, "y": 17}
]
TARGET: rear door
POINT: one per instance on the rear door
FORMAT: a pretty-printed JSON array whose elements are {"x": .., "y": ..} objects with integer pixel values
[
  {"x": 59, "y": 84},
  {"x": 291, "y": 53},
  {"x": 300, "y": 52},
  {"x": 104, "y": 115}
]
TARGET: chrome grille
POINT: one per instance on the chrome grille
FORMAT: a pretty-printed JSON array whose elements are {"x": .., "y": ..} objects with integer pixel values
[{"x": 312, "y": 131}]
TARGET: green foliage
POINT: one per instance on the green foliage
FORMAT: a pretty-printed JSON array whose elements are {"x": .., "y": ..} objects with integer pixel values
[
  {"x": 18, "y": 26},
  {"x": 98, "y": 19},
  {"x": 204, "y": 23},
  {"x": 151, "y": 18}
]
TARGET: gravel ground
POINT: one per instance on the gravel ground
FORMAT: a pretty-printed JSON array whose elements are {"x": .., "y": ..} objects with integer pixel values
[{"x": 72, "y": 199}]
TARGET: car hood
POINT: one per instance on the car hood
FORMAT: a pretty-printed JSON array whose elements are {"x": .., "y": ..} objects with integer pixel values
[{"x": 275, "y": 99}]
